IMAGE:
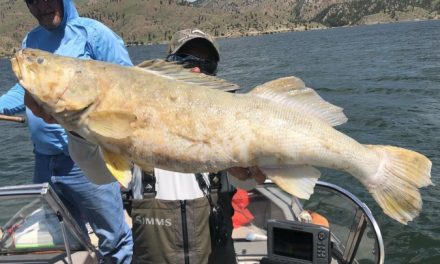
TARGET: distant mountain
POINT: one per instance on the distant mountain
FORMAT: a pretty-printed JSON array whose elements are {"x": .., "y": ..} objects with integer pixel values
[
  {"x": 336, "y": 13},
  {"x": 154, "y": 21}
]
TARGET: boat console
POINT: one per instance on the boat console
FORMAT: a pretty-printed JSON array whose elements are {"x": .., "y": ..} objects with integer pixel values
[
  {"x": 333, "y": 226},
  {"x": 296, "y": 242}
]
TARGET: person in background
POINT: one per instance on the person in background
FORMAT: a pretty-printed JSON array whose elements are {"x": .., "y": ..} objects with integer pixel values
[
  {"x": 62, "y": 31},
  {"x": 198, "y": 206}
]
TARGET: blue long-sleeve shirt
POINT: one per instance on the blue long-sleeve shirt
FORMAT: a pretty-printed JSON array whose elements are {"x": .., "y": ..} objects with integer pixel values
[
  {"x": 12, "y": 102},
  {"x": 75, "y": 37}
]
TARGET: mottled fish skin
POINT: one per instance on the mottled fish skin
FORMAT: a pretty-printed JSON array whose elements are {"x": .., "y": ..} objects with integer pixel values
[{"x": 162, "y": 117}]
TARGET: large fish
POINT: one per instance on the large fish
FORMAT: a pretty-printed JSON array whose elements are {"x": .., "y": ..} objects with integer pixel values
[{"x": 163, "y": 117}]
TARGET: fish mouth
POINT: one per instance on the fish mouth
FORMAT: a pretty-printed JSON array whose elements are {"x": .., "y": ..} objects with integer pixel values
[
  {"x": 16, "y": 67},
  {"x": 19, "y": 68}
]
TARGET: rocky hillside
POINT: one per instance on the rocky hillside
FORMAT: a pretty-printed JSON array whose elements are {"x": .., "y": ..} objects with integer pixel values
[
  {"x": 335, "y": 13},
  {"x": 153, "y": 21}
]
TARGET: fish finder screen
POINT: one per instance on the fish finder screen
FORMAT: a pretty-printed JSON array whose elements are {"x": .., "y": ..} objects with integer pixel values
[{"x": 293, "y": 244}]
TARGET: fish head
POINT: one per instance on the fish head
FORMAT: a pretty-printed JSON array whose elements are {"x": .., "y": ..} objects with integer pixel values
[{"x": 59, "y": 84}]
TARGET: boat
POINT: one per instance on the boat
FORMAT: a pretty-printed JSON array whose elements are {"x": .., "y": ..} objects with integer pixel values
[
  {"x": 333, "y": 226},
  {"x": 37, "y": 228}
]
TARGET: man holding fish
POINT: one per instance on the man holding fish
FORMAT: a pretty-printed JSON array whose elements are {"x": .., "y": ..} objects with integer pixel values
[{"x": 62, "y": 31}]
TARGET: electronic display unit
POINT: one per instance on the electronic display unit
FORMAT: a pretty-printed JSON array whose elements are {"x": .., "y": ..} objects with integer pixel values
[{"x": 297, "y": 243}]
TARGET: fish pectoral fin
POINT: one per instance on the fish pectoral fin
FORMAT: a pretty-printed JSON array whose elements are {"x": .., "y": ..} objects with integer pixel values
[
  {"x": 118, "y": 166},
  {"x": 111, "y": 124},
  {"x": 299, "y": 181},
  {"x": 292, "y": 92}
]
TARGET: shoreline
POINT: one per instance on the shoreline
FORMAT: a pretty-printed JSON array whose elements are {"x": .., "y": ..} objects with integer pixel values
[
  {"x": 302, "y": 28},
  {"x": 249, "y": 33},
  {"x": 255, "y": 32}
]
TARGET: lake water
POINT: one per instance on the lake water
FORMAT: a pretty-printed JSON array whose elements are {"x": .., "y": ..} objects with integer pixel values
[{"x": 386, "y": 77}]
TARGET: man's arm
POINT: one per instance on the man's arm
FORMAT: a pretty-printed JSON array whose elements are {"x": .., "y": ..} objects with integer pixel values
[{"x": 12, "y": 102}]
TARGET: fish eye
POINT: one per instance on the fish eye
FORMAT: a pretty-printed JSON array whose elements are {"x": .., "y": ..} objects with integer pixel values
[{"x": 40, "y": 60}]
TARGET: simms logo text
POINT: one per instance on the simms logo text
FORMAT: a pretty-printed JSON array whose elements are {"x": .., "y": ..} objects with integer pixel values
[{"x": 152, "y": 221}]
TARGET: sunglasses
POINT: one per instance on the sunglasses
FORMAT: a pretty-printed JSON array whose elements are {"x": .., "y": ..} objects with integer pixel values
[
  {"x": 32, "y": 2},
  {"x": 189, "y": 61}
]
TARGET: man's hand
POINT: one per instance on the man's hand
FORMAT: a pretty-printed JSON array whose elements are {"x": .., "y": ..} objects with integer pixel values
[
  {"x": 196, "y": 70},
  {"x": 246, "y": 173},
  {"x": 38, "y": 110}
]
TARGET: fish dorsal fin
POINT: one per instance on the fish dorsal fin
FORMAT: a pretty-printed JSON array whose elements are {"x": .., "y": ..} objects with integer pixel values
[
  {"x": 111, "y": 124},
  {"x": 177, "y": 71},
  {"x": 291, "y": 91}
]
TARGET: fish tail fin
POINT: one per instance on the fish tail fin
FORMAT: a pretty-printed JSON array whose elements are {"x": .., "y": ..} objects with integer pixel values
[{"x": 401, "y": 173}]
